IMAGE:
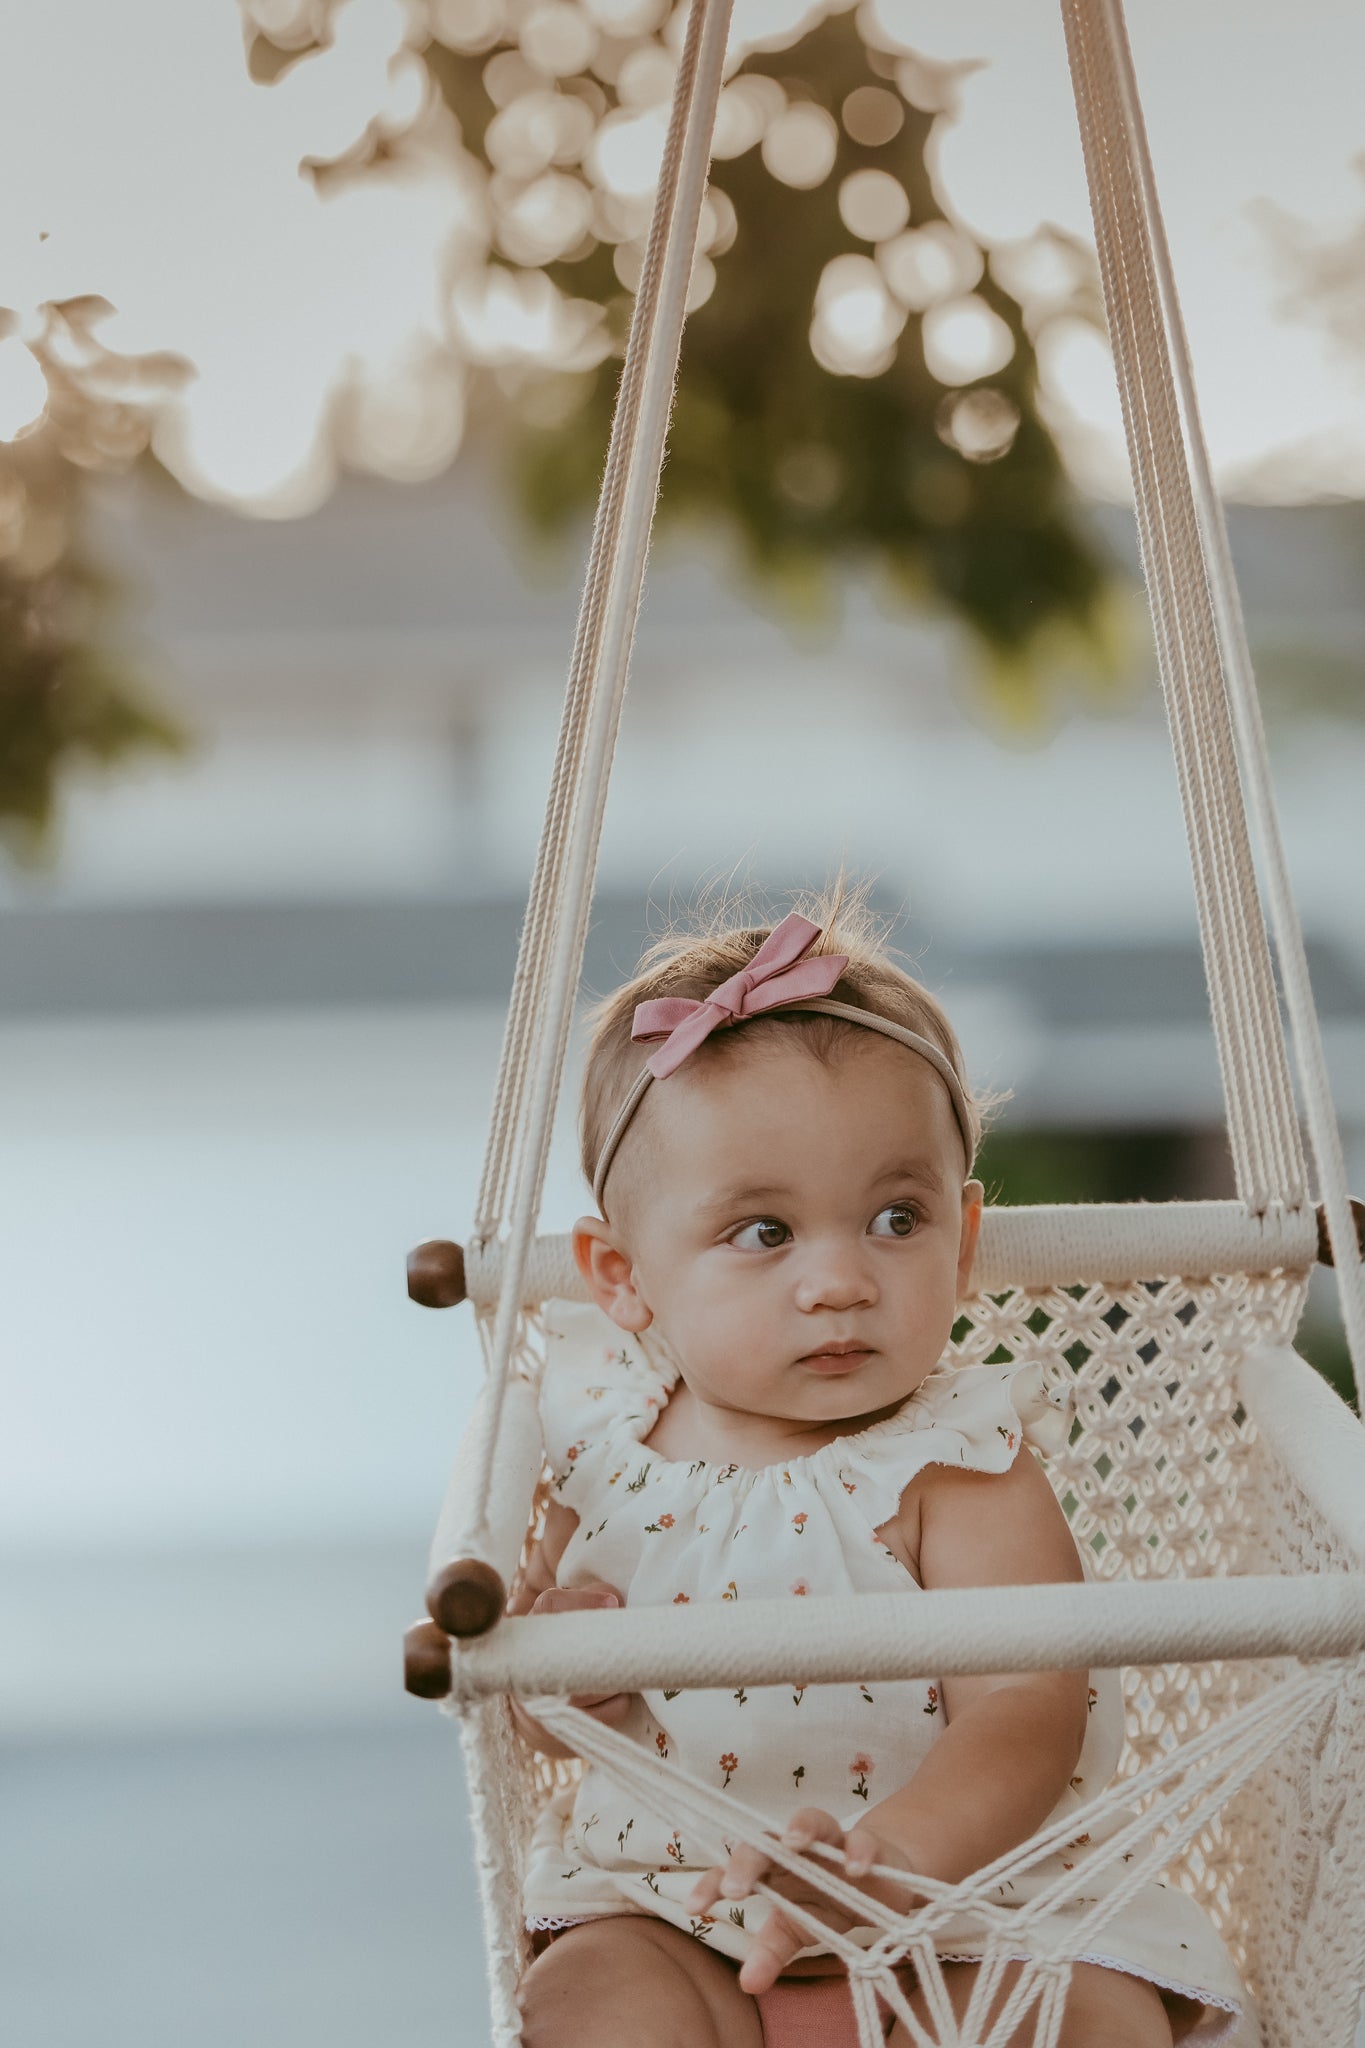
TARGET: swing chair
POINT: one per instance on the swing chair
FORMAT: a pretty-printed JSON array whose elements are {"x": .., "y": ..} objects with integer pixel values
[{"x": 1216, "y": 1483}]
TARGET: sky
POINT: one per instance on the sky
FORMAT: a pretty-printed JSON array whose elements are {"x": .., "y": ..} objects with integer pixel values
[{"x": 140, "y": 162}]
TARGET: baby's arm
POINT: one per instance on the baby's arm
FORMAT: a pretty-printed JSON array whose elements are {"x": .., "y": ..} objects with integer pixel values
[
  {"x": 1011, "y": 1741},
  {"x": 537, "y": 1593}
]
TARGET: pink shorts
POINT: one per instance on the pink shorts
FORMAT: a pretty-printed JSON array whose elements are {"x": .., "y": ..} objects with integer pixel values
[{"x": 813, "y": 2012}]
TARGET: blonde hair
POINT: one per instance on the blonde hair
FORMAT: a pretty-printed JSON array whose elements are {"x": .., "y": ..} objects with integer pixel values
[{"x": 690, "y": 963}]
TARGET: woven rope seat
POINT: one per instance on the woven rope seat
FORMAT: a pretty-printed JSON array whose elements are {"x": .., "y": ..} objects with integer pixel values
[{"x": 1213, "y": 1481}]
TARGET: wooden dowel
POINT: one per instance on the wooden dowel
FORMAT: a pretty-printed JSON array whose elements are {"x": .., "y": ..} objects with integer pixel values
[{"x": 426, "y": 1661}]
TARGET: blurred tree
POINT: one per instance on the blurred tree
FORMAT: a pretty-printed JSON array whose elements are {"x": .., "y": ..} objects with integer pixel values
[
  {"x": 860, "y": 381},
  {"x": 65, "y": 698}
]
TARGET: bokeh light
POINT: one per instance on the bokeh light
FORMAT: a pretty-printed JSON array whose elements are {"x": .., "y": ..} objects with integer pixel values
[
  {"x": 801, "y": 145},
  {"x": 924, "y": 265},
  {"x": 964, "y": 339},
  {"x": 857, "y": 322},
  {"x": 873, "y": 205}
]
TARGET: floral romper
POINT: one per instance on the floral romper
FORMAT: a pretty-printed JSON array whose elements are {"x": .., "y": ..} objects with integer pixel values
[{"x": 666, "y": 1531}]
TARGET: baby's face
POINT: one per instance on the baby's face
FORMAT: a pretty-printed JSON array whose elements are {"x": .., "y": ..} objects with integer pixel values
[{"x": 799, "y": 1232}]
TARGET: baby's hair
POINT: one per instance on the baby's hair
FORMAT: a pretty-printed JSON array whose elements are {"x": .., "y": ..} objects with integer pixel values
[{"x": 691, "y": 961}]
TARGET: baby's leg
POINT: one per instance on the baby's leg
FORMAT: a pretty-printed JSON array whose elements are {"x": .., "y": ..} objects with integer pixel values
[
  {"x": 1104, "y": 2009},
  {"x": 631, "y": 1981}
]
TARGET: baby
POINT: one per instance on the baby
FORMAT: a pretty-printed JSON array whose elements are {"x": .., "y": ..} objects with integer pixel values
[{"x": 788, "y": 1222}]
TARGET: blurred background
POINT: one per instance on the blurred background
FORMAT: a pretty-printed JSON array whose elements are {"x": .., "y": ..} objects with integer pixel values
[{"x": 310, "y": 317}]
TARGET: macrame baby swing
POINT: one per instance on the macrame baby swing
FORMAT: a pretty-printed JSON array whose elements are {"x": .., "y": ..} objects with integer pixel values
[{"x": 1219, "y": 1485}]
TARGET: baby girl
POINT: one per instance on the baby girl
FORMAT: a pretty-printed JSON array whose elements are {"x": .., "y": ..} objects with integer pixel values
[{"x": 787, "y": 1227}]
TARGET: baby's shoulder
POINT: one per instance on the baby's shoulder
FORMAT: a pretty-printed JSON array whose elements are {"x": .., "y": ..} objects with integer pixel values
[{"x": 987, "y": 1528}]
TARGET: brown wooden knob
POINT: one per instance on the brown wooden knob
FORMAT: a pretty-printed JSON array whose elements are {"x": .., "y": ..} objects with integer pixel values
[
  {"x": 426, "y": 1661},
  {"x": 1325, "y": 1257},
  {"x": 466, "y": 1597},
  {"x": 436, "y": 1274}
]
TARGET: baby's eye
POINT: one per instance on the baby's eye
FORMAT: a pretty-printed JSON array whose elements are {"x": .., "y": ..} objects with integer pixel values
[
  {"x": 897, "y": 1219},
  {"x": 764, "y": 1234}
]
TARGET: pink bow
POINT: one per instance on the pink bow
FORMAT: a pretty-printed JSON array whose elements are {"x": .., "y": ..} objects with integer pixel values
[{"x": 778, "y": 973}]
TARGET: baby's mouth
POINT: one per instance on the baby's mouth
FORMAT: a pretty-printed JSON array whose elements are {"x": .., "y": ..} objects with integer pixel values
[{"x": 837, "y": 1358}]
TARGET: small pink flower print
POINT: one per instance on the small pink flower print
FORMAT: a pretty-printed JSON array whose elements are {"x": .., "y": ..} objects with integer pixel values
[
  {"x": 932, "y": 1707},
  {"x": 729, "y": 1763},
  {"x": 673, "y": 1848},
  {"x": 1091, "y": 1699},
  {"x": 1080, "y": 1841},
  {"x": 786, "y": 1479},
  {"x": 798, "y": 1694},
  {"x": 575, "y": 1450},
  {"x": 848, "y": 1486},
  {"x": 799, "y": 1522},
  {"x": 800, "y": 1589},
  {"x": 731, "y": 1591},
  {"x": 860, "y": 1769},
  {"x": 867, "y": 1695},
  {"x": 596, "y": 1393},
  {"x": 1008, "y": 1435},
  {"x": 665, "y": 1521},
  {"x": 661, "y": 1743},
  {"x": 681, "y": 1599},
  {"x": 655, "y": 1528}
]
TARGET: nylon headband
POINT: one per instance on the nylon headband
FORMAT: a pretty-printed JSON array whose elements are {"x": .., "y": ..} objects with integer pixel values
[{"x": 849, "y": 1014}]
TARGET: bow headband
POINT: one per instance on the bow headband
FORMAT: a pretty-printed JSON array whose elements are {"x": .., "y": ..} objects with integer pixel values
[{"x": 783, "y": 975}]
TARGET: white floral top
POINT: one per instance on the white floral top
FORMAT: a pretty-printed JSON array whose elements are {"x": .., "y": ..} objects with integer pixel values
[{"x": 665, "y": 1531}]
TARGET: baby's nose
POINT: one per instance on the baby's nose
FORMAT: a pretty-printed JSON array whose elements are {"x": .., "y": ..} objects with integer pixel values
[{"x": 835, "y": 1276}]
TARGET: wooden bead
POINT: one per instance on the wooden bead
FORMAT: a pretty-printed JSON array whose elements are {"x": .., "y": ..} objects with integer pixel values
[
  {"x": 466, "y": 1597},
  {"x": 426, "y": 1661},
  {"x": 436, "y": 1274}
]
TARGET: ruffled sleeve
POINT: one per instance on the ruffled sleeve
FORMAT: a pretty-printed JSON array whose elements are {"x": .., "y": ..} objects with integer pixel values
[
  {"x": 600, "y": 1385},
  {"x": 976, "y": 1417}
]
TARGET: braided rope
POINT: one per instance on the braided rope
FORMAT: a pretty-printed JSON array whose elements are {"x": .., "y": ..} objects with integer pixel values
[
  {"x": 538, "y": 1034},
  {"x": 1261, "y": 1122},
  {"x": 1230, "y": 631}
]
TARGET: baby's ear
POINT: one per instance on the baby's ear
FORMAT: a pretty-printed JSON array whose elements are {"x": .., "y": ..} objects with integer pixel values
[
  {"x": 973, "y": 1198},
  {"x": 610, "y": 1274}
]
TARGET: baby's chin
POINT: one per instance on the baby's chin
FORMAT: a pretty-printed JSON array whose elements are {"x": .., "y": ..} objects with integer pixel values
[{"x": 858, "y": 1394}]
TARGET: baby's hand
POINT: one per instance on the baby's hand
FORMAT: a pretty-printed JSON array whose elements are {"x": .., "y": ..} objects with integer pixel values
[
  {"x": 779, "y": 1938},
  {"x": 608, "y": 1707}
]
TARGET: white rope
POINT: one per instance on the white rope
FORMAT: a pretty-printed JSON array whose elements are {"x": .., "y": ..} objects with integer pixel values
[
  {"x": 543, "y": 1013},
  {"x": 1230, "y": 627},
  {"x": 1261, "y": 1122}
]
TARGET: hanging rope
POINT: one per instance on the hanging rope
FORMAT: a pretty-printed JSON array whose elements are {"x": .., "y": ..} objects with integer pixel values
[
  {"x": 1262, "y": 1125},
  {"x": 552, "y": 943},
  {"x": 1101, "y": 51}
]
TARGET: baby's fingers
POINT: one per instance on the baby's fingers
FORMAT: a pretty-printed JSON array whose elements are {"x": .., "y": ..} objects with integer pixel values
[
  {"x": 732, "y": 1880},
  {"x": 776, "y": 1942}
]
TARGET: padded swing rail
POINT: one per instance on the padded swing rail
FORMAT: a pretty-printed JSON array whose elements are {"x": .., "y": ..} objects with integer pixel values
[
  {"x": 1041, "y": 1245},
  {"x": 890, "y": 1636}
]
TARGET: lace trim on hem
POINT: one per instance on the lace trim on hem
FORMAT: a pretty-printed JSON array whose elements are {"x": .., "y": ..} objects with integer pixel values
[{"x": 1130, "y": 1969}]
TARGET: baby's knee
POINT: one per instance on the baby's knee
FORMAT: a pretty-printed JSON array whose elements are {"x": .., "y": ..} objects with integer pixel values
[{"x": 615, "y": 1983}]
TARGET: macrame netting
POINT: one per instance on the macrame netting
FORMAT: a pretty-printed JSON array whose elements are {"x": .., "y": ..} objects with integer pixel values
[{"x": 1202, "y": 1449}]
